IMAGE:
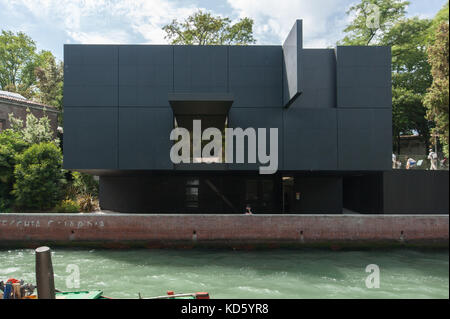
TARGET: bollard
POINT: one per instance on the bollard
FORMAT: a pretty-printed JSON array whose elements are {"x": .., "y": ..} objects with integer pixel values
[{"x": 44, "y": 274}]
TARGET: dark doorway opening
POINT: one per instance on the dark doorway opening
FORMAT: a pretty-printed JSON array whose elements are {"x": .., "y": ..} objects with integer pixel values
[{"x": 288, "y": 194}]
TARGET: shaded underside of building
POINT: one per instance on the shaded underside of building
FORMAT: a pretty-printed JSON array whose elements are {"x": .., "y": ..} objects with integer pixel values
[{"x": 390, "y": 192}]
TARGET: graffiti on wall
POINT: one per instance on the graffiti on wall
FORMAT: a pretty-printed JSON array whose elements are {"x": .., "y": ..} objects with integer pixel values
[{"x": 30, "y": 223}]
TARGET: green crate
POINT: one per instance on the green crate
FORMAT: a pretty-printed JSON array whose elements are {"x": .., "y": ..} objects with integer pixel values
[{"x": 93, "y": 294}]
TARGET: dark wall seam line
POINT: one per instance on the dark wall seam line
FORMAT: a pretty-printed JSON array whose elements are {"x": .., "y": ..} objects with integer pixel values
[
  {"x": 173, "y": 69},
  {"x": 118, "y": 107},
  {"x": 228, "y": 69}
]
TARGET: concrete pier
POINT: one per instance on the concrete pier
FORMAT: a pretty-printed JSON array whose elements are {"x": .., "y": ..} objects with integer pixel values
[{"x": 109, "y": 230}]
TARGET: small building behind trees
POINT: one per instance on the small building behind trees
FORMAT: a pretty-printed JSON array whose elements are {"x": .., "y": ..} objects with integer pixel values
[{"x": 19, "y": 106}]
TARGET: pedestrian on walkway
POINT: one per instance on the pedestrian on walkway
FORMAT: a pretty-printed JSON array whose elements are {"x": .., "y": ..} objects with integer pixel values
[{"x": 432, "y": 156}]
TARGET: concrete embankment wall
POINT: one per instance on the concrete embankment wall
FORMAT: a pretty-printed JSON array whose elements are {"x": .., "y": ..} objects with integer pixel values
[{"x": 184, "y": 231}]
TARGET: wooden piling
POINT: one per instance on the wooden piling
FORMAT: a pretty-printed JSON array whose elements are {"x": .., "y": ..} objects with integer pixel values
[{"x": 44, "y": 274}]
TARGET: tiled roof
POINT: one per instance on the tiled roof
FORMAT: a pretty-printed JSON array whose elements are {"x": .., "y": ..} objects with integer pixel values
[{"x": 24, "y": 101}]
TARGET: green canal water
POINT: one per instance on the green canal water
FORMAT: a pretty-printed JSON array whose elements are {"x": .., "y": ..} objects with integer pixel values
[{"x": 243, "y": 274}]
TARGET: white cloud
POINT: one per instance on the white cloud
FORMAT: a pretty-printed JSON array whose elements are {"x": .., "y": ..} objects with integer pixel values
[
  {"x": 140, "y": 21},
  {"x": 322, "y": 20},
  {"x": 147, "y": 17},
  {"x": 116, "y": 37},
  {"x": 105, "y": 21}
]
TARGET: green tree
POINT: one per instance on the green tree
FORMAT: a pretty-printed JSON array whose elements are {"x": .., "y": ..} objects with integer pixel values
[
  {"x": 408, "y": 116},
  {"x": 441, "y": 16},
  {"x": 411, "y": 76},
  {"x": 372, "y": 18},
  {"x": 204, "y": 29},
  {"x": 50, "y": 76},
  {"x": 35, "y": 131},
  {"x": 38, "y": 177},
  {"x": 27, "y": 72},
  {"x": 408, "y": 41},
  {"x": 18, "y": 59},
  {"x": 437, "y": 97},
  {"x": 11, "y": 144},
  {"x": 85, "y": 184}
]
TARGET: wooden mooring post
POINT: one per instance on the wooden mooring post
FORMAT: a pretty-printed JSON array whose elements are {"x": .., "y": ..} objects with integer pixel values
[{"x": 44, "y": 273}]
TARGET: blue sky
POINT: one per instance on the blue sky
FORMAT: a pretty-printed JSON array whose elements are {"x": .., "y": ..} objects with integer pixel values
[{"x": 52, "y": 23}]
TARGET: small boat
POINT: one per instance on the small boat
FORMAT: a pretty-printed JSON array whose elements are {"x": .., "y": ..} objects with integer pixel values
[
  {"x": 17, "y": 289},
  {"x": 172, "y": 295},
  {"x": 27, "y": 291}
]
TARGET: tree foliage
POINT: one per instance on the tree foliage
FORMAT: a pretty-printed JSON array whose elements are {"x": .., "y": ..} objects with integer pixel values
[
  {"x": 11, "y": 143},
  {"x": 437, "y": 97},
  {"x": 408, "y": 115},
  {"x": 202, "y": 28},
  {"x": 35, "y": 131},
  {"x": 372, "y": 18},
  {"x": 411, "y": 71},
  {"x": 18, "y": 58},
  {"x": 35, "y": 75},
  {"x": 15, "y": 141},
  {"x": 439, "y": 18},
  {"x": 408, "y": 41},
  {"x": 50, "y": 76},
  {"x": 38, "y": 177},
  {"x": 410, "y": 77},
  {"x": 85, "y": 184}
]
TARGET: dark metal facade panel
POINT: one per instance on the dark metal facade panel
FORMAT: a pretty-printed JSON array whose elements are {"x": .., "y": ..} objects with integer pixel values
[
  {"x": 364, "y": 139},
  {"x": 364, "y": 97},
  {"x": 255, "y": 55},
  {"x": 144, "y": 138},
  {"x": 90, "y": 96},
  {"x": 415, "y": 192},
  {"x": 200, "y": 69},
  {"x": 313, "y": 133},
  {"x": 255, "y": 75},
  {"x": 310, "y": 139},
  {"x": 319, "y": 79},
  {"x": 257, "y": 118},
  {"x": 90, "y": 138},
  {"x": 293, "y": 63},
  {"x": 318, "y": 195},
  {"x": 145, "y": 75},
  {"x": 398, "y": 192},
  {"x": 364, "y": 77},
  {"x": 363, "y": 193},
  {"x": 79, "y": 54},
  {"x": 363, "y": 56},
  {"x": 90, "y": 76},
  {"x": 146, "y": 55}
]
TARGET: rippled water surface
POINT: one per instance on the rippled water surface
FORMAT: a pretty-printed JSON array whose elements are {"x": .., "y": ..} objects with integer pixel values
[{"x": 243, "y": 274}]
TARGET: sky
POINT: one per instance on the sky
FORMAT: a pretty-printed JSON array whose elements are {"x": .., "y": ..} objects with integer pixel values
[{"x": 53, "y": 23}]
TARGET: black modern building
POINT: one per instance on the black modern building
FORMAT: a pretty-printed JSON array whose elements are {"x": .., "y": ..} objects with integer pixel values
[{"x": 332, "y": 109}]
